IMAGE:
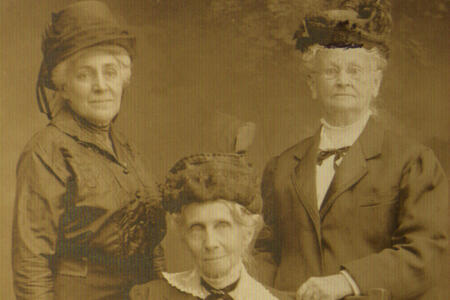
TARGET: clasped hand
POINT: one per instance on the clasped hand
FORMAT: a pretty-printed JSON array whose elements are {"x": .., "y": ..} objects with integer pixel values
[{"x": 332, "y": 287}]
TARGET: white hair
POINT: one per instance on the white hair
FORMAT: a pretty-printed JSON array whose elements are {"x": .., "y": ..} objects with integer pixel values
[
  {"x": 309, "y": 57},
  {"x": 378, "y": 60},
  {"x": 59, "y": 73},
  {"x": 249, "y": 222}
]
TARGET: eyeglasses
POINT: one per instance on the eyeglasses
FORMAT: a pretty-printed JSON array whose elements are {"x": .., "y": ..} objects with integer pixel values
[{"x": 354, "y": 72}]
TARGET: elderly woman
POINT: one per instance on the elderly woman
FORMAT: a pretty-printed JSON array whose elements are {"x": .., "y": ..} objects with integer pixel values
[
  {"x": 87, "y": 214},
  {"x": 368, "y": 207},
  {"x": 216, "y": 206}
]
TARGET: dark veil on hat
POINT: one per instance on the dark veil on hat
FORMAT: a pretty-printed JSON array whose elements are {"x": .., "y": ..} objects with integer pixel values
[
  {"x": 353, "y": 24},
  {"x": 79, "y": 26}
]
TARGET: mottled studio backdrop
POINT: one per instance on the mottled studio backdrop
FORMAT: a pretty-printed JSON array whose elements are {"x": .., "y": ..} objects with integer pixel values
[{"x": 205, "y": 60}]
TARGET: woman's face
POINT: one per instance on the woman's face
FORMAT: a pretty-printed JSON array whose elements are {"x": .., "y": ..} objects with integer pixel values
[
  {"x": 214, "y": 238},
  {"x": 346, "y": 80},
  {"x": 94, "y": 86}
]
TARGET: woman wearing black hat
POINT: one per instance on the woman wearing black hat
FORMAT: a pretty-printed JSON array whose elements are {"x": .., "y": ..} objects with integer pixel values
[
  {"x": 368, "y": 206},
  {"x": 87, "y": 214}
]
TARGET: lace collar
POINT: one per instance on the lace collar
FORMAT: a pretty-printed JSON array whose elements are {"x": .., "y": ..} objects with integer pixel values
[{"x": 247, "y": 288}]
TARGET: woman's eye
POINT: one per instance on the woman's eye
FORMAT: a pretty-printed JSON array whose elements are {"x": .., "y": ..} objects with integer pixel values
[
  {"x": 111, "y": 73},
  {"x": 82, "y": 76},
  {"x": 223, "y": 225},
  {"x": 330, "y": 71},
  {"x": 196, "y": 232},
  {"x": 195, "y": 228},
  {"x": 354, "y": 70}
]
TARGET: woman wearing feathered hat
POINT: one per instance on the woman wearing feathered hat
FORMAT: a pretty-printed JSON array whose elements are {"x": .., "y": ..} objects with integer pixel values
[
  {"x": 355, "y": 206},
  {"x": 87, "y": 215},
  {"x": 215, "y": 203}
]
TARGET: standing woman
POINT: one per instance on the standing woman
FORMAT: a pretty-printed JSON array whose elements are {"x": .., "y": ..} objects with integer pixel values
[{"x": 87, "y": 216}]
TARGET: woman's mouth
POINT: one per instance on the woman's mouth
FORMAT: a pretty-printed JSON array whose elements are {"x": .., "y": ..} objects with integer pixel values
[
  {"x": 99, "y": 101},
  {"x": 213, "y": 258}
]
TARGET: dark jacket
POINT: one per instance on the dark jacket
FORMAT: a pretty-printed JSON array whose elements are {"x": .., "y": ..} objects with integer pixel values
[
  {"x": 82, "y": 211},
  {"x": 384, "y": 218}
]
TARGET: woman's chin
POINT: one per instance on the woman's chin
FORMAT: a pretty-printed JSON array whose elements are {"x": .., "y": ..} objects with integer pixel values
[
  {"x": 216, "y": 270},
  {"x": 100, "y": 118}
]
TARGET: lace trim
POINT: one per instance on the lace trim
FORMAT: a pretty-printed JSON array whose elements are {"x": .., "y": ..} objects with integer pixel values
[{"x": 189, "y": 282}]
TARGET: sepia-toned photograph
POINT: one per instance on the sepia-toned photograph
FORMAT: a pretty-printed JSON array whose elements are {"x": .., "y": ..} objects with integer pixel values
[{"x": 224, "y": 149}]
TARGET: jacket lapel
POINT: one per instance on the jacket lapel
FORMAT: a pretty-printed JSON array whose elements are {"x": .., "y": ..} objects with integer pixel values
[
  {"x": 303, "y": 178},
  {"x": 354, "y": 164}
]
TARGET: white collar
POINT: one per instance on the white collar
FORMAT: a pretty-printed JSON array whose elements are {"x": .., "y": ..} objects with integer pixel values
[
  {"x": 334, "y": 137},
  {"x": 247, "y": 288}
]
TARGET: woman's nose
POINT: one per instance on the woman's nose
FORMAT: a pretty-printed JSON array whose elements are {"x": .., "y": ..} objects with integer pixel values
[
  {"x": 99, "y": 83},
  {"x": 343, "y": 78},
  {"x": 210, "y": 241}
]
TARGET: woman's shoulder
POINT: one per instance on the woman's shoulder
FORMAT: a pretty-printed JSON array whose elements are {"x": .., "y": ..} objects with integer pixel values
[
  {"x": 44, "y": 149},
  {"x": 44, "y": 144},
  {"x": 157, "y": 290},
  {"x": 45, "y": 140}
]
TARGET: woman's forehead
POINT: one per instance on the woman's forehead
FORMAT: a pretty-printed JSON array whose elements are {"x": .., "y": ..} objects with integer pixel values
[
  {"x": 94, "y": 57},
  {"x": 207, "y": 212},
  {"x": 344, "y": 56}
]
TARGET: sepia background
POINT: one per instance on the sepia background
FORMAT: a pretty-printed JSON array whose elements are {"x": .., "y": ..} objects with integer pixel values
[{"x": 202, "y": 63}]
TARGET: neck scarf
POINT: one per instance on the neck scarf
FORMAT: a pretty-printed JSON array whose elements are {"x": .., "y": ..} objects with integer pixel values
[{"x": 219, "y": 294}]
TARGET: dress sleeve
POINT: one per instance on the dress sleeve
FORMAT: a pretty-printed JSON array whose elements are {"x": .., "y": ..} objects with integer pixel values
[
  {"x": 419, "y": 243},
  {"x": 36, "y": 215}
]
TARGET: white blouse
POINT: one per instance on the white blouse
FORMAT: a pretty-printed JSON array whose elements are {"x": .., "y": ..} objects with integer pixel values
[{"x": 334, "y": 137}]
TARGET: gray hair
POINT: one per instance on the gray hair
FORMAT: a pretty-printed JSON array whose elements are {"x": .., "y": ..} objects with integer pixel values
[
  {"x": 309, "y": 57},
  {"x": 59, "y": 73},
  {"x": 247, "y": 221}
]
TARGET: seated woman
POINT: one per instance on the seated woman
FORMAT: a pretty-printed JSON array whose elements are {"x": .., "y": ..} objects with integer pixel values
[{"x": 216, "y": 206}]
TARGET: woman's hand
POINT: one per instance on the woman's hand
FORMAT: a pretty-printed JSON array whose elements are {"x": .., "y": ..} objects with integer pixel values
[{"x": 332, "y": 287}]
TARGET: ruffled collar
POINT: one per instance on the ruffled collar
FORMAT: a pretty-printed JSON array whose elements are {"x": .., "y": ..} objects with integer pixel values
[{"x": 189, "y": 282}]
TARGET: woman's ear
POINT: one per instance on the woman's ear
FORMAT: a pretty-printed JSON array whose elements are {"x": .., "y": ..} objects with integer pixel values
[
  {"x": 126, "y": 82},
  {"x": 377, "y": 77},
  {"x": 63, "y": 92},
  {"x": 311, "y": 81},
  {"x": 248, "y": 237}
]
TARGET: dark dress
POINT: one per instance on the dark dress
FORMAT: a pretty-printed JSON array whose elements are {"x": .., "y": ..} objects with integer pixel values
[{"x": 86, "y": 218}]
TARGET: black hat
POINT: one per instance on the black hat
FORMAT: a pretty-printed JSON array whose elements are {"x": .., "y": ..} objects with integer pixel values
[
  {"x": 212, "y": 176},
  {"x": 354, "y": 24},
  {"x": 79, "y": 26}
]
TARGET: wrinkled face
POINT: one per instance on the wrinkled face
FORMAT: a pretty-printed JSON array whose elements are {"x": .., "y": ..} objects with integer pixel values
[
  {"x": 216, "y": 241},
  {"x": 94, "y": 85},
  {"x": 345, "y": 80}
]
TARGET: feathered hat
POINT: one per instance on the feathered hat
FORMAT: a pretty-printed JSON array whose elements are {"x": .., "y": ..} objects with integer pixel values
[{"x": 212, "y": 176}]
